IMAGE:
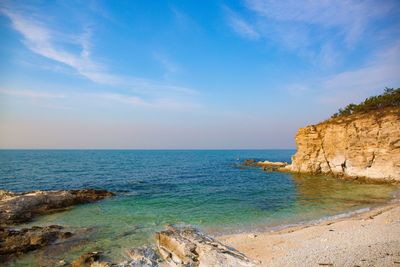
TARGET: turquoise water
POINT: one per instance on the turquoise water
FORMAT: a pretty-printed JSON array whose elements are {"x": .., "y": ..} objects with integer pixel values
[{"x": 207, "y": 189}]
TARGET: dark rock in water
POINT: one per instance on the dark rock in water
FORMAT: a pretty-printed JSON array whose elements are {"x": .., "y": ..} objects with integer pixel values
[
  {"x": 14, "y": 242},
  {"x": 249, "y": 162},
  {"x": 22, "y": 207},
  {"x": 189, "y": 247}
]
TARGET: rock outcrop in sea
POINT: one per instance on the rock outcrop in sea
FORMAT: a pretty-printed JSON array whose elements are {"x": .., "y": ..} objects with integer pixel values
[
  {"x": 14, "y": 242},
  {"x": 16, "y": 208},
  {"x": 22, "y": 207},
  {"x": 361, "y": 145}
]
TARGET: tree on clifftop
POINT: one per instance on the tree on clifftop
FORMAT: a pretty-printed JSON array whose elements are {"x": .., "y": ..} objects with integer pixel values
[{"x": 389, "y": 98}]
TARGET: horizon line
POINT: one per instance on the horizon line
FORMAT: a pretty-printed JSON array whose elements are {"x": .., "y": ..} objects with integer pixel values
[{"x": 149, "y": 149}]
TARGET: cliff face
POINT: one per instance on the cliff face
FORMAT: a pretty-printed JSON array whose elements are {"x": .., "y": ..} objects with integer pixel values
[{"x": 359, "y": 145}]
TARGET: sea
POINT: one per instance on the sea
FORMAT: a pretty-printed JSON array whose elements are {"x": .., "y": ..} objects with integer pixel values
[{"x": 207, "y": 189}]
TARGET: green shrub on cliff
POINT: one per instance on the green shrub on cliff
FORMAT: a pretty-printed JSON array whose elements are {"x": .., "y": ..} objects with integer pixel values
[{"x": 389, "y": 98}]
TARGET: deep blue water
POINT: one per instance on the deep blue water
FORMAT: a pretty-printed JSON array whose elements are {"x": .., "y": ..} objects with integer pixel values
[{"x": 140, "y": 171}]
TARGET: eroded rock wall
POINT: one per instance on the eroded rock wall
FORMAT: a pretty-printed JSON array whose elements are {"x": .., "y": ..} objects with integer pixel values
[{"x": 360, "y": 145}]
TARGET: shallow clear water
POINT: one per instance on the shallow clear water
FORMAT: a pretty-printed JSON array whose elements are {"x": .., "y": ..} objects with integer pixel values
[{"x": 207, "y": 189}]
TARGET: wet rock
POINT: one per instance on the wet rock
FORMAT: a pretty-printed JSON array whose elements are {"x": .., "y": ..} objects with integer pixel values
[
  {"x": 14, "y": 242},
  {"x": 22, "y": 207},
  {"x": 249, "y": 162},
  {"x": 189, "y": 247},
  {"x": 267, "y": 163},
  {"x": 139, "y": 257},
  {"x": 90, "y": 259}
]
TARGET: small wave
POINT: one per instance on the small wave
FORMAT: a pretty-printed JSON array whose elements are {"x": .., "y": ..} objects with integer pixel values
[{"x": 343, "y": 215}]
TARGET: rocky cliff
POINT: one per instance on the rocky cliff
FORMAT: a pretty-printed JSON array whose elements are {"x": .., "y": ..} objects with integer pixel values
[{"x": 359, "y": 145}]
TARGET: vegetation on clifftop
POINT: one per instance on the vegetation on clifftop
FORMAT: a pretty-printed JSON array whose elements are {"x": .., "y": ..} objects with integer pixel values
[{"x": 389, "y": 98}]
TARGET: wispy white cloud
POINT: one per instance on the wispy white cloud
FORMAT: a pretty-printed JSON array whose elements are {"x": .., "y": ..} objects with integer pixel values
[
  {"x": 350, "y": 17},
  {"x": 30, "y": 94},
  {"x": 39, "y": 39},
  {"x": 240, "y": 26},
  {"x": 42, "y": 40},
  {"x": 159, "y": 103},
  {"x": 322, "y": 32},
  {"x": 354, "y": 85},
  {"x": 169, "y": 66}
]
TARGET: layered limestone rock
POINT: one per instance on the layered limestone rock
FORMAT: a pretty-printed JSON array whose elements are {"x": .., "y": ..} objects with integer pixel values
[
  {"x": 18, "y": 208},
  {"x": 14, "y": 242},
  {"x": 189, "y": 247},
  {"x": 360, "y": 145},
  {"x": 175, "y": 247},
  {"x": 22, "y": 207}
]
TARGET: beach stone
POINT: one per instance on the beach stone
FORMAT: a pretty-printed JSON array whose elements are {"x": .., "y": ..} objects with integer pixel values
[
  {"x": 14, "y": 242},
  {"x": 189, "y": 247},
  {"x": 22, "y": 207}
]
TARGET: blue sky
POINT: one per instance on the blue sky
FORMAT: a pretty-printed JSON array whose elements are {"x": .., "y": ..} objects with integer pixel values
[{"x": 187, "y": 74}]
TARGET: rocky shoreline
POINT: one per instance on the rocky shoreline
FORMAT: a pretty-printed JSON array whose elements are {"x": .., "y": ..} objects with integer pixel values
[
  {"x": 15, "y": 242},
  {"x": 362, "y": 146},
  {"x": 175, "y": 246},
  {"x": 186, "y": 246},
  {"x": 17, "y": 208}
]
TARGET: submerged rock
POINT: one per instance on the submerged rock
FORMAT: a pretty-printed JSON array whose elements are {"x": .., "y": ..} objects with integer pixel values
[
  {"x": 91, "y": 259},
  {"x": 189, "y": 247},
  {"x": 14, "y": 242},
  {"x": 249, "y": 162},
  {"x": 22, "y": 207}
]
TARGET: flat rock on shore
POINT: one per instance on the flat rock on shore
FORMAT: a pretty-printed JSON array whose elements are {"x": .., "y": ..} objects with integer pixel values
[
  {"x": 14, "y": 242},
  {"x": 22, "y": 207},
  {"x": 175, "y": 247}
]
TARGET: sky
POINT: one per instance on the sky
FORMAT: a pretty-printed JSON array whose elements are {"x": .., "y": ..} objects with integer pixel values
[{"x": 141, "y": 74}]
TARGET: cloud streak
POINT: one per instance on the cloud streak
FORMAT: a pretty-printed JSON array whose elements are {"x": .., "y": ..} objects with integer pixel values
[
  {"x": 350, "y": 18},
  {"x": 160, "y": 103},
  {"x": 240, "y": 26},
  {"x": 40, "y": 39},
  {"x": 30, "y": 94},
  {"x": 355, "y": 85},
  {"x": 322, "y": 32}
]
